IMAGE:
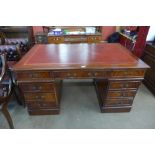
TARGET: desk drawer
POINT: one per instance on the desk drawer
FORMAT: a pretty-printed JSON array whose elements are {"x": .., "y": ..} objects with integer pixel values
[
  {"x": 34, "y": 75},
  {"x": 124, "y": 85},
  {"x": 80, "y": 74},
  {"x": 118, "y": 102},
  {"x": 72, "y": 74},
  {"x": 41, "y": 105},
  {"x": 46, "y": 97},
  {"x": 114, "y": 94},
  {"x": 128, "y": 73},
  {"x": 37, "y": 87}
]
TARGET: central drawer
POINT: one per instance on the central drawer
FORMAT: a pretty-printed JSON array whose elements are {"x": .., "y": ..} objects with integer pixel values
[
  {"x": 80, "y": 74},
  {"x": 113, "y": 94},
  {"x": 37, "y": 87},
  {"x": 46, "y": 97}
]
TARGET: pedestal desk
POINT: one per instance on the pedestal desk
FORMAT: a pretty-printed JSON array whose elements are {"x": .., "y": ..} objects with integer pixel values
[{"x": 116, "y": 73}]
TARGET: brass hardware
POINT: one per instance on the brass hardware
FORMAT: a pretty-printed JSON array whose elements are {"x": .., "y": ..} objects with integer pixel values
[
  {"x": 89, "y": 74},
  {"x": 33, "y": 75},
  {"x": 125, "y": 73},
  {"x": 40, "y": 97},
  {"x": 126, "y": 85},
  {"x": 36, "y": 87},
  {"x": 96, "y": 74},
  {"x": 68, "y": 74}
]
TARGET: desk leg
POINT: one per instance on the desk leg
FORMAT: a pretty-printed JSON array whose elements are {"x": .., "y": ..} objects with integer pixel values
[{"x": 114, "y": 100}]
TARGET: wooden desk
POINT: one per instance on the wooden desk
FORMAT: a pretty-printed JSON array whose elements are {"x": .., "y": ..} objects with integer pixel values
[{"x": 116, "y": 72}]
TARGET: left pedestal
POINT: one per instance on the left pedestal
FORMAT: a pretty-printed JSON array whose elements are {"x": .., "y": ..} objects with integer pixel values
[{"x": 41, "y": 92}]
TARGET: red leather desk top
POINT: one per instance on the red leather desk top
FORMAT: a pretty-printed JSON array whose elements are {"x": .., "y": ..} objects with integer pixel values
[{"x": 76, "y": 56}]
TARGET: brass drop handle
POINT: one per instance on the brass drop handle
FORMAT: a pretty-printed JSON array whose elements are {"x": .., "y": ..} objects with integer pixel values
[
  {"x": 125, "y": 73},
  {"x": 33, "y": 75},
  {"x": 96, "y": 74},
  {"x": 69, "y": 74},
  {"x": 37, "y": 87},
  {"x": 126, "y": 85},
  {"x": 40, "y": 97},
  {"x": 123, "y": 94},
  {"x": 44, "y": 104},
  {"x": 90, "y": 74}
]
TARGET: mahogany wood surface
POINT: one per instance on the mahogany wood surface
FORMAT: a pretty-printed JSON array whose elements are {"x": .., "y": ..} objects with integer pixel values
[
  {"x": 78, "y": 56},
  {"x": 117, "y": 74}
]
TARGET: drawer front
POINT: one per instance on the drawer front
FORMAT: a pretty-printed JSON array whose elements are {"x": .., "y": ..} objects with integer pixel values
[
  {"x": 34, "y": 75},
  {"x": 41, "y": 105},
  {"x": 115, "y": 102},
  {"x": 72, "y": 74},
  {"x": 46, "y": 97},
  {"x": 127, "y": 73},
  {"x": 113, "y": 94},
  {"x": 124, "y": 85},
  {"x": 37, "y": 87},
  {"x": 80, "y": 74}
]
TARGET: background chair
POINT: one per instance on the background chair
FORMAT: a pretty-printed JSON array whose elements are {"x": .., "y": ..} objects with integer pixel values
[
  {"x": 6, "y": 89},
  {"x": 22, "y": 43},
  {"x": 13, "y": 55}
]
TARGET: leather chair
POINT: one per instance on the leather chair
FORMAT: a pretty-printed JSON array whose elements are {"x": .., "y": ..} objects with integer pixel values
[
  {"x": 6, "y": 89},
  {"x": 21, "y": 42}
]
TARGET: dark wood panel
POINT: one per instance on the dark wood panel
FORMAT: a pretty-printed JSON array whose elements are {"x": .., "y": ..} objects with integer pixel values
[
  {"x": 37, "y": 87},
  {"x": 123, "y": 93},
  {"x": 149, "y": 58},
  {"x": 124, "y": 84},
  {"x": 117, "y": 102},
  {"x": 28, "y": 75},
  {"x": 128, "y": 73},
  {"x": 44, "y": 111},
  {"x": 41, "y": 105},
  {"x": 46, "y": 97}
]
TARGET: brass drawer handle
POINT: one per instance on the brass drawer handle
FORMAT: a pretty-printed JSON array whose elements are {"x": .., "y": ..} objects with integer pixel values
[
  {"x": 126, "y": 85},
  {"x": 125, "y": 73},
  {"x": 89, "y": 74},
  {"x": 37, "y": 87},
  {"x": 34, "y": 75},
  {"x": 40, "y": 97},
  {"x": 123, "y": 94},
  {"x": 68, "y": 74},
  {"x": 95, "y": 74}
]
